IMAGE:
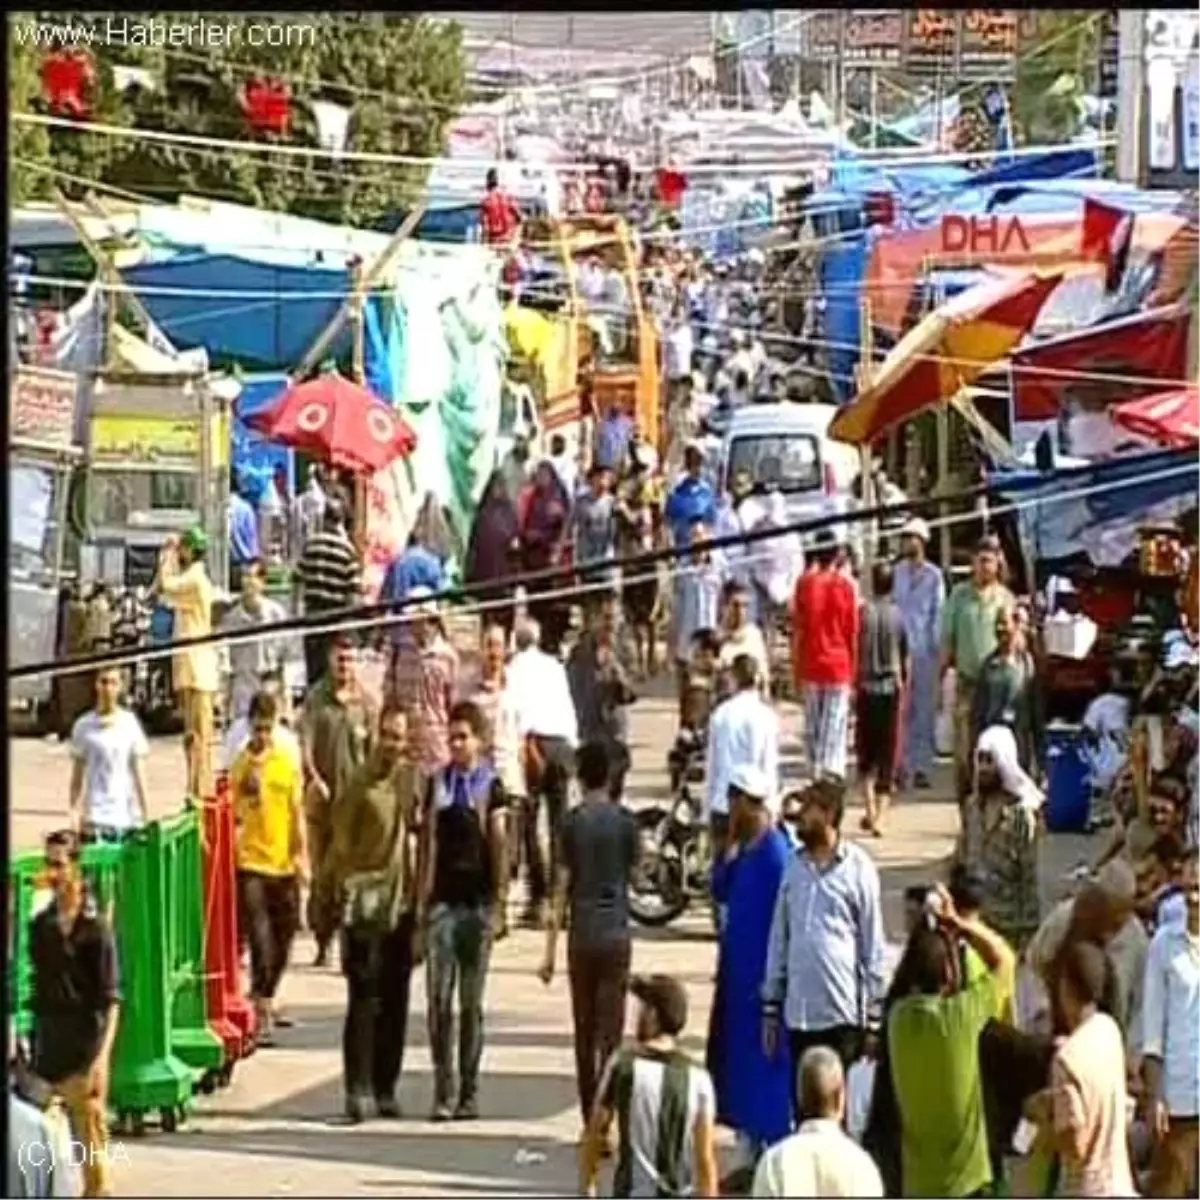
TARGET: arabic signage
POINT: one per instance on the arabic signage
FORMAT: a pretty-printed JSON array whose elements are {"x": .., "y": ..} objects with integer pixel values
[
  {"x": 930, "y": 41},
  {"x": 153, "y": 441},
  {"x": 873, "y": 37},
  {"x": 987, "y": 43},
  {"x": 1110, "y": 53},
  {"x": 42, "y": 406}
]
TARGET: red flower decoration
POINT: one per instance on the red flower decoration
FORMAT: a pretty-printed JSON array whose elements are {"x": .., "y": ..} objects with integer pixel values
[
  {"x": 268, "y": 105},
  {"x": 66, "y": 74}
]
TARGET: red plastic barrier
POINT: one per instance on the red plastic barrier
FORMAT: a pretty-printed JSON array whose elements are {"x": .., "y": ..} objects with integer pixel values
[{"x": 230, "y": 1014}]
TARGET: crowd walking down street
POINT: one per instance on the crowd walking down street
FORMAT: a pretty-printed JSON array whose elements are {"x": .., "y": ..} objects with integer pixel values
[{"x": 633, "y": 794}]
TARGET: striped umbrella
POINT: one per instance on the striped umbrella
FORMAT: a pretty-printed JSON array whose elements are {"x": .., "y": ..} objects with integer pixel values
[{"x": 943, "y": 353}]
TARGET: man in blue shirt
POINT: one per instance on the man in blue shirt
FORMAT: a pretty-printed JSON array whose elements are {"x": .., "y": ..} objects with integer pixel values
[
  {"x": 692, "y": 499},
  {"x": 416, "y": 566},
  {"x": 243, "y": 534},
  {"x": 612, "y": 439}
]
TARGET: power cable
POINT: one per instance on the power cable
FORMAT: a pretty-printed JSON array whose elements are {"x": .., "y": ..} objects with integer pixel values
[{"x": 375, "y": 615}]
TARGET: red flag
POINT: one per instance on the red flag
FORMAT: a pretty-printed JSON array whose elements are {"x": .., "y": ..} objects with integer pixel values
[
  {"x": 1152, "y": 346},
  {"x": 671, "y": 186},
  {"x": 1107, "y": 237},
  {"x": 268, "y": 105},
  {"x": 66, "y": 75}
]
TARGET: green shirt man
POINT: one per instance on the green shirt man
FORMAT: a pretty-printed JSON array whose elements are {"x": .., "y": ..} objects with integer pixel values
[
  {"x": 933, "y": 1048},
  {"x": 969, "y": 625}
]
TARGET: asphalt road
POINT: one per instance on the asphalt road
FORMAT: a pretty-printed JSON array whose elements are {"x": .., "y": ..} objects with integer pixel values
[{"x": 270, "y": 1134}]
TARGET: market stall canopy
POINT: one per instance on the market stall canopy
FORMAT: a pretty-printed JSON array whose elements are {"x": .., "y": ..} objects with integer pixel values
[
  {"x": 1001, "y": 240},
  {"x": 338, "y": 422},
  {"x": 1168, "y": 418},
  {"x": 944, "y": 353}
]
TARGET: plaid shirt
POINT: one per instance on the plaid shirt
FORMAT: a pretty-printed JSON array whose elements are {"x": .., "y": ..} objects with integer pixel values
[{"x": 424, "y": 683}]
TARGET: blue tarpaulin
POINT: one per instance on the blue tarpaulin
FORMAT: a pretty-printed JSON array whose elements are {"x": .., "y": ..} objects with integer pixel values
[
  {"x": 271, "y": 327},
  {"x": 1163, "y": 475},
  {"x": 254, "y": 458}
]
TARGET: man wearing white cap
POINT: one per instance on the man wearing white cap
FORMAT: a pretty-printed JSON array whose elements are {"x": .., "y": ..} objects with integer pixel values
[
  {"x": 919, "y": 592},
  {"x": 743, "y": 732}
]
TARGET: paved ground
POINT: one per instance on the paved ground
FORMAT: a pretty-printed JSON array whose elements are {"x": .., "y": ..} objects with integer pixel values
[{"x": 269, "y": 1133}]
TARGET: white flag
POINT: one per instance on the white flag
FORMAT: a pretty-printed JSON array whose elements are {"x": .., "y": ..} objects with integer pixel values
[
  {"x": 333, "y": 122},
  {"x": 126, "y": 77}
]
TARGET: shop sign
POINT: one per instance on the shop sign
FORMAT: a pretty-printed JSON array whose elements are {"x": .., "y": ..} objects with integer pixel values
[
  {"x": 983, "y": 236},
  {"x": 1110, "y": 54},
  {"x": 987, "y": 43},
  {"x": 42, "y": 406},
  {"x": 873, "y": 37},
  {"x": 929, "y": 42},
  {"x": 825, "y": 35}
]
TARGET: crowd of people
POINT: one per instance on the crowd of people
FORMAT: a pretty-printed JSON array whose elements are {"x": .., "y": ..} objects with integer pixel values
[{"x": 1005, "y": 1034}]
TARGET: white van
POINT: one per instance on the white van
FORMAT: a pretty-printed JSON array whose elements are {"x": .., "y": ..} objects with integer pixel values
[{"x": 786, "y": 446}]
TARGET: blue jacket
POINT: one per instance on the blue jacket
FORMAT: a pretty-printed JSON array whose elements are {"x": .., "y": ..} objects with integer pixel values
[{"x": 691, "y": 500}]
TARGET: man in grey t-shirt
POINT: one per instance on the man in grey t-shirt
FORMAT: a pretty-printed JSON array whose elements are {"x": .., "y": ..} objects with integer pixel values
[{"x": 599, "y": 852}]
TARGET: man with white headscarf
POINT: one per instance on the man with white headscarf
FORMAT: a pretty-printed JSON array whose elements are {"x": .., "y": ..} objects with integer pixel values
[{"x": 1001, "y": 835}]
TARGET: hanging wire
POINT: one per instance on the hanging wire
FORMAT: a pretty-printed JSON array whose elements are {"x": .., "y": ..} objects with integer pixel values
[{"x": 364, "y": 617}]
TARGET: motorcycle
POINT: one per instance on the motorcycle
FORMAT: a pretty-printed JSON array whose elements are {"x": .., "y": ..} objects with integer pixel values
[{"x": 673, "y": 867}]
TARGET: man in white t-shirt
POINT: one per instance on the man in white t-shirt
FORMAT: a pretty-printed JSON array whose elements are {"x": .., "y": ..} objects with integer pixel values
[{"x": 108, "y": 779}]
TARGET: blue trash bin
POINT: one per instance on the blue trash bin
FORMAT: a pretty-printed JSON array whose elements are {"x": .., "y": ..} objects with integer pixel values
[{"x": 1068, "y": 781}]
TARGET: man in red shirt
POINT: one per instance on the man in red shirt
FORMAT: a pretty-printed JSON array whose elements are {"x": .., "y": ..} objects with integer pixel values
[
  {"x": 499, "y": 215},
  {"x": 825, "y": 656}
]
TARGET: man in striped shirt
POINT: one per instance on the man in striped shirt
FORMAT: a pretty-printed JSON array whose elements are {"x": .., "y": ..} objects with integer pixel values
[
  {"x": 329, "y": 574},
  {"x": 663, "y": 1104}
]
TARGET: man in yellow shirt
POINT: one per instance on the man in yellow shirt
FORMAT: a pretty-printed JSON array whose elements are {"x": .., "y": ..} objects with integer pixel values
[
  {"x": 183, "y": 583},
  {"x": 268, "y": 803}
]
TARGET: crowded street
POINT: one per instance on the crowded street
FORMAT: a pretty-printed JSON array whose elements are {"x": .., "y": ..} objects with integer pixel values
[
  {"x": 604, "y": 604},
  {"x": 271, "y": 1132}
]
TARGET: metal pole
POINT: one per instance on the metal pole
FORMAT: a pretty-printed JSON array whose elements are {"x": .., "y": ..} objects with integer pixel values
[
  {"x": 371, "y": 275},
  {"x": 1131, "y": 93}
]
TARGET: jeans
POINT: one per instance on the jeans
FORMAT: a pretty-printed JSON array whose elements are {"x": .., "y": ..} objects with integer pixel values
[
  {"x": 550, "y": 783},
  {"x": 599, "y": 978},
  {"x": 269, "y": 914},
  {"x": 460, "y": 947},
  {"x": 378, "y": 967}
]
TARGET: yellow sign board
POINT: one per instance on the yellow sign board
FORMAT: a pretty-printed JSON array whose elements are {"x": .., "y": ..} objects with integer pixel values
[{"x": 149, "y": 440}]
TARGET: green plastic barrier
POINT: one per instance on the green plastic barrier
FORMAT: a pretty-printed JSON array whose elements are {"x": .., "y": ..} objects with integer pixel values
[
  {"x": 183, "y": 886},
  {"x": 24, "y": 873},
  {"x": 146, "y": 1074}
]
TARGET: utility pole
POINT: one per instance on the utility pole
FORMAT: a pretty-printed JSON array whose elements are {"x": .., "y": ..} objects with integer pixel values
[{"x": 1131, "y": 94}]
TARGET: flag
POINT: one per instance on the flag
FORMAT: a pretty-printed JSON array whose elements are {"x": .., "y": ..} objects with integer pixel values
[
  {"x": 1107, "y": 237},
  {"x": 1152, "y": 346},
  {"x": 333, "y": 122}
]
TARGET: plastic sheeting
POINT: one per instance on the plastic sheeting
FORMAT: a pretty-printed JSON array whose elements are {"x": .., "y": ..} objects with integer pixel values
[
  {"x": 436, "y": 349},
  {"x": 254, "y": 458}
]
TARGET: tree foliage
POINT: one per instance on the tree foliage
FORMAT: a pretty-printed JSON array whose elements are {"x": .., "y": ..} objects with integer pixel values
[
  {"x": 402, "y": 77},
  {"x": 1059, "y": 42}
]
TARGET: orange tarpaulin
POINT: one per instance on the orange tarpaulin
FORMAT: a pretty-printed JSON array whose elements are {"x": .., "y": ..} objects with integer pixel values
[
  {"x": 901, "y": 257},
  {"x": 943, "y": 353}
]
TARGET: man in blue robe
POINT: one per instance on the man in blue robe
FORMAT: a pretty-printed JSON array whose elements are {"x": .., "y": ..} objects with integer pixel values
[{"x": 753, "y": 1091}]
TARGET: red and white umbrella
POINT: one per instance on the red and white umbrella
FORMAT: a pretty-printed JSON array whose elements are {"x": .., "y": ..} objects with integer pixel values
[{"x": 338, "y": 422}]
